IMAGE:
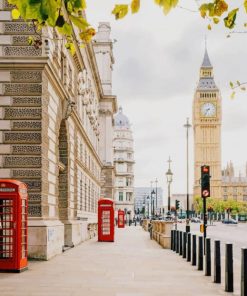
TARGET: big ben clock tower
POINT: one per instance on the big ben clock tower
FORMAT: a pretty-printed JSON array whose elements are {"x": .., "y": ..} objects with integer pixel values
[{"x": 207, "y": 129}]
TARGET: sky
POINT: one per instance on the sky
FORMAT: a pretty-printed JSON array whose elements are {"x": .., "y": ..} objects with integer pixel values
[{"x": 157, "y": 62}]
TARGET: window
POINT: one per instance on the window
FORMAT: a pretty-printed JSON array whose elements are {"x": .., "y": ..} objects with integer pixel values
[
  {"x": 120, "y": 196},
  {"x": 244, "y": 197},
  {"x": 225, "y": 197},
  {"x": 235, "y": 197}
]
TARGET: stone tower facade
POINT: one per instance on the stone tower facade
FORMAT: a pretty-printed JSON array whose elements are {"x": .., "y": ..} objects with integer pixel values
[
  {"x": 124, "y": 164},
  {"x": 207, "y": 114}
]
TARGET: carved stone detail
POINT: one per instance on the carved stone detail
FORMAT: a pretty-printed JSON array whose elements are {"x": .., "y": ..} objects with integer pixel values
[
  {"x": 27, "y": 125},
  {"x": 33, "y": 185},
  {"x": 34, "y": 211},
  {"x": 26, "y": 76},
  {"x": 34, "y": 198},
  {"x": 6, "y": 5},
  {"x": 18, "y": 27},
  {"x": 27, "y": 101},
  {"x": 27, "y": 174},
  {"x": 23, "y": 51},
  {"x": 22, "y": 161},
  {"x": 22, "y": 137},
  {"x": 24, "y": 149},
  {"x": 22, "y": 113},
  {"x": 22, "y": 88},
  {"x": 20, "y": 40}
]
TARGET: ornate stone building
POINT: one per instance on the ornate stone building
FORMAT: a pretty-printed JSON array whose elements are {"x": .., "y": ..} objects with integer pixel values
[
  {"x": 56, "y": 121},
  {"x": 207, "y": 129},
  {"x": 124, "y": 164},
  {"x": 234, "y": 187}
]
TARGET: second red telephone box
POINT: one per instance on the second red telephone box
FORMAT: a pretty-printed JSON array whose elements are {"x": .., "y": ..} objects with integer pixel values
[
  {"x": 13, "y": 225},
  {"x": 105, "y": 220},
  {"x": 121, "y": 223}
]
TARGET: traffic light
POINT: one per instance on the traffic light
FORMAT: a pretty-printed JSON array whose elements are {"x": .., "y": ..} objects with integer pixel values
[
  {"x": 177, "y": 204},
  {"x": 205, "y": 181}
]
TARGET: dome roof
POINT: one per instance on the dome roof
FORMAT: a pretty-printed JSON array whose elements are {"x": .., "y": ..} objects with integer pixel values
[{"x": 120, "y": 120}]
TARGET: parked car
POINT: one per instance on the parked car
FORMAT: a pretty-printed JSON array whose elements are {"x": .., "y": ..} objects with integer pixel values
[
  {"x": 229, "y": 221},
  {"x": 195, "y": 220}
]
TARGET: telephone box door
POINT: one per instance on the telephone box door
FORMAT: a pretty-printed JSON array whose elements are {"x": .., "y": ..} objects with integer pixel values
[
  {"x": 8, "y": 243},
  {"x": 121, "y": 223}
]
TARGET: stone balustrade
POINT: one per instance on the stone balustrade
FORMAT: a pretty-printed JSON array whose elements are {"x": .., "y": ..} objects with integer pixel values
[
  {"x": 161, "y": 232},
  {"x": 145, "y": 223}
]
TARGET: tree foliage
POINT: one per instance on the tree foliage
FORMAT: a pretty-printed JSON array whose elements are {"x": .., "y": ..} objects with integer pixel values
[
  {"x": 63, "y": 14},
  {"x": 220, "y": 206}
]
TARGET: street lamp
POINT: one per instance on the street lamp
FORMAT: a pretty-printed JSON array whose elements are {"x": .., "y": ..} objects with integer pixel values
[
  {"x": 144, "y": 209},
  {"x": 148, "y": 205},
  {"x": 152, "y": 203},
  {"x": 169, "y": 175},
  {"x": 187, "y": 126},
  {"x": 156, "y": 197}
]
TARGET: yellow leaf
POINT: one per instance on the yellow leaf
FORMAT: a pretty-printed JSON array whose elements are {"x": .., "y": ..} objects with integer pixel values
[
  {"x": 245, "y": 5},
  {"x": 216, "y": 20},
  {"x": 233, "y": 95},
  {"x": 15, "y": 13},
  {"x": 120, "y": 11},
  {"x": 135, "y": 6},
  {"x": 209, "y": 27},
  {"x": 238, "y": 83},
  {"x": 87, "y": 35}
]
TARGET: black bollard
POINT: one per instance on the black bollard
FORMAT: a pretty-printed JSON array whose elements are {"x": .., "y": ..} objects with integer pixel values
[
  {"x": 177, "y": 245},
  {"x": 193, "y": 261},
  {"x": 208, "y": 257},
  {"x": 228, "y": 268},
  {"x": 172, "y": 239},
  {"x": 189, "y": 247},
  {"x": 200, "y": 253},
  {"x": 180, "y": 243},
  {"x": 217, "y": 262},
  {"x": 184, "y": 244},
  {"x": 244, "y": 272}
]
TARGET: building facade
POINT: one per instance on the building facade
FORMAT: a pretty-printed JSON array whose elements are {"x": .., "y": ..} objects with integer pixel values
[
  {"x": 124, "y": 164},
  {"x": 143, "y": 200},
  {"x": 54, "y": 111},
  {"x": 207, "y": 129},
  {"x": 234, "y": 187}
]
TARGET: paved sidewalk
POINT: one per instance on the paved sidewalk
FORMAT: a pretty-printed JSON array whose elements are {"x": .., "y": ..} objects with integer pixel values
[{"x": 132, "y": 266}]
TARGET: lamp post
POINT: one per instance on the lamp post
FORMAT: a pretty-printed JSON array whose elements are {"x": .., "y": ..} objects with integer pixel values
[
  {"x": 156, "y": 198},
  {"x": 187, "y": 126},
  {"x": 169, "y": 175},
  {"x": 152, "y": 203},
  {"x": 148, "y": 206}
]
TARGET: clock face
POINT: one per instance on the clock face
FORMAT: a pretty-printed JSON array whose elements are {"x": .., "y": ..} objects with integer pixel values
[{"x": 208, "y": 110}]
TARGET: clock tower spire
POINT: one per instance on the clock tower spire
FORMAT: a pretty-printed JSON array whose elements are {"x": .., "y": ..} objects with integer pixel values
[{"x": 207, "y": 128}]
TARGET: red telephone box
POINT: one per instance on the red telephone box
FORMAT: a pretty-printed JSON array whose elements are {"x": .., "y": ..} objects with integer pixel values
[
  {"x": 121, "y": 223},
  {"x": 105, "y": 220},
  {"x": 13, "y": 225}
]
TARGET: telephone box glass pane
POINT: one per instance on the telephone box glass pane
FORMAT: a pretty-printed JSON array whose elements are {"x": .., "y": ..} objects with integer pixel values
[
  {"x": 6, "y": 228},
  {"x": 106, "y": 222},
  {"x": 24, "y": 229}
]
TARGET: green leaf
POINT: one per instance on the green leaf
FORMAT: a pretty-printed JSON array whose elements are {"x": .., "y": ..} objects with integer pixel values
[
  {"x": 238, "y": 83},
  {"x": 65, "y": 29},
  {"x": 231, "y": 84},
  {"x": 80, "y": 22},
  {"x": 233, "y": 95}
]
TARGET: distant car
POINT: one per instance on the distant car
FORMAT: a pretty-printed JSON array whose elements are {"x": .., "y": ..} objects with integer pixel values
[
  {"x": 180, "y": 221},
  {"x": 195, "y": 220},
  {"x": 229, "y": 221}
]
